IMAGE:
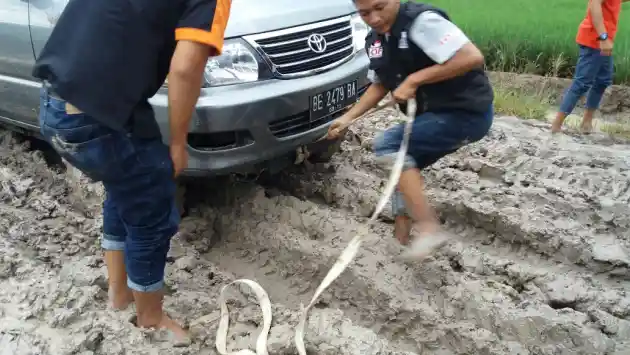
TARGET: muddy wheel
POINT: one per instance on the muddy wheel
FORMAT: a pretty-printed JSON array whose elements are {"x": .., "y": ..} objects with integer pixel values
[
  {"x": 180, "y": 198},
  {"x": 327, "y": 154}
]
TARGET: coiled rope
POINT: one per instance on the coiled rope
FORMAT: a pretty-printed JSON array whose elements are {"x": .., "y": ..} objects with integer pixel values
[{"x": 340, "y": 265}]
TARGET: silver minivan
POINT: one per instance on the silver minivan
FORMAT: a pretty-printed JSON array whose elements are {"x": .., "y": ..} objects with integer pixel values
[{"x": 288, "y": 69}]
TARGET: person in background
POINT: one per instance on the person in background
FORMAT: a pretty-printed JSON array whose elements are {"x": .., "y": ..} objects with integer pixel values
[
  {"x": 100, "y": 65},
  {"x": 415, "y": 51},
  {"x": 594, "y": 68}
]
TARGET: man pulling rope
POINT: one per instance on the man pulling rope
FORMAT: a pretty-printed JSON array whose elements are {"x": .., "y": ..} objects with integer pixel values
[
  {"x": 432, "y": 69},
  {"x": 416, "y": 52}
]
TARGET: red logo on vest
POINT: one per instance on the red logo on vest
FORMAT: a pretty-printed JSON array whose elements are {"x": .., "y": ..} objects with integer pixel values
[{"x": 375, "y": 50}]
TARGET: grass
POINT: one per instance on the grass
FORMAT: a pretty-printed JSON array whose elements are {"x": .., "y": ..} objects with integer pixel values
[
  {"x": 519, "y": 104},
  {"x": 525, "y": 100},
  {"x": 537, "y": 104},
  {"x": 615, "y": 129},
  {"x": 535, "y": 36}
]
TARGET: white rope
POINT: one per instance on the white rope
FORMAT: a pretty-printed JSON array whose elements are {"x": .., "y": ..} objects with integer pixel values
[{"x": 340, "y": 265}]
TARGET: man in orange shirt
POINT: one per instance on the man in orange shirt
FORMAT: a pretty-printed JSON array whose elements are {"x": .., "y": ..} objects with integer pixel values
[
  {"x": 594, "y": 69},
  {"x": 101, "y": 64}
]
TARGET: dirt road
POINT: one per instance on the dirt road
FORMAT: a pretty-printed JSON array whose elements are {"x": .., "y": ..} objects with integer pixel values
[{"x": 540, "y": 266}]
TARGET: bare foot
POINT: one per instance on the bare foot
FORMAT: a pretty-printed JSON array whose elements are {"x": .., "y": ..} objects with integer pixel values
[
  {"x": 120, "y": 300},
  {"x": 586, "y": 127},
  {"x": 168, "y": 330},
  {"x": 180, "y": 336},
  {"x": 424, "y": 244},
  {"x": 556, "y": 126},
  {"x": 402, "y": 229}
]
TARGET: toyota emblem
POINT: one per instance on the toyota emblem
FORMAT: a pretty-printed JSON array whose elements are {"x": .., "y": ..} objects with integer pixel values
[{"x": 317, "y": 43}]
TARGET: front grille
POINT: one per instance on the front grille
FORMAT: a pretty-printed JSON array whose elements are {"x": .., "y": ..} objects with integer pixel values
[
  {"x": 217, "y": 141},
  {"x": 299, "y": 123},
  {"x": 290, "y": 54}
]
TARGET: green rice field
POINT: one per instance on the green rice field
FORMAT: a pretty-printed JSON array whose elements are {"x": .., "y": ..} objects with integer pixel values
[{"x": 533, "y": 36}]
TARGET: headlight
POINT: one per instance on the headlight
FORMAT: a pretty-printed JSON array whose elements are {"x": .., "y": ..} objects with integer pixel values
[
  {"x": 237, "y": 64},
  {"x": 359, "y": 31}
]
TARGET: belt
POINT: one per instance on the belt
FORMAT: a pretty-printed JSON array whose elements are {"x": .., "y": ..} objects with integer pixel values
[{"x": 70, "y": 108}]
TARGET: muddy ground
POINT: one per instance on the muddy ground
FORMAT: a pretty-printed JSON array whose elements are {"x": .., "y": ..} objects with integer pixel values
[{"x": 540, "y": 264}]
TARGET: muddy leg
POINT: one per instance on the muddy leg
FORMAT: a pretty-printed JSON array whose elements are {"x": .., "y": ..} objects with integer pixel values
[
  {"x": 410, "y": 199},
  {"x": 603, "y": 79},
  {"x": 587, "y": 121},
  {"x": 402, "y": 222},
  {"x": 114, "y": 244},
  {"x": 140, "y": 215},
  {"x": 145, "y": 199},
  {"x": 586, "y": 69},
  {"x": 556, "y": 126},
  {"x": 427, "y": 235},
  {"x": 433, "y": 136},
  {"x": 150, "y": 315},
  {"x": 119, "y": 294},
  {"x": 411, "y": 185},
  {"x": 402, "y": 228}
]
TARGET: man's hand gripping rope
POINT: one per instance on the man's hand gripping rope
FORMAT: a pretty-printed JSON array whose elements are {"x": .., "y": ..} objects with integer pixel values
[{"x": 346, "y": 257}]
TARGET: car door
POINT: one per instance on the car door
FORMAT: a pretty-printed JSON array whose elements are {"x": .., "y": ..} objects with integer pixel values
[
  {"x": 43, "y": 17},
  {"x": 19, "y": 98}
]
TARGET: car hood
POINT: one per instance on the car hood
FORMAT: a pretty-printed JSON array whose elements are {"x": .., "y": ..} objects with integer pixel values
[{"x": 254, "y": 16}]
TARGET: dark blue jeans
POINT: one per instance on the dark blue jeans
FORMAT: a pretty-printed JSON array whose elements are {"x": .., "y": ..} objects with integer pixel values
[
  {"x": 433, "y": 136},
  {"x": 593, "y": 74},
  {"x": 139, "y": 212}
]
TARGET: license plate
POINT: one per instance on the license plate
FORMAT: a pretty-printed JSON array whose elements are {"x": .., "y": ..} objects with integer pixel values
[{"x": 333, "y": 100}]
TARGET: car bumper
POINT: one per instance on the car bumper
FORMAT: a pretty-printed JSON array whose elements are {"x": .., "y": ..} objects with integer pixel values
[{"x": 235, "y": 128}]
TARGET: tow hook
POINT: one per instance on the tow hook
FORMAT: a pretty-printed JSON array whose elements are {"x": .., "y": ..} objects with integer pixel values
[{"x": 301, "y": 155}]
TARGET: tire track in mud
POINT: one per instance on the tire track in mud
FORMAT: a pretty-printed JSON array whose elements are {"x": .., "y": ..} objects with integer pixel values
[
  {"x": 462, "y": 183},
  {"x": 502, "y": 288},
  {"x": 563, "y": 198},
  {"x": 53, "y": 287},
  {"x": 463, "y": 289}
]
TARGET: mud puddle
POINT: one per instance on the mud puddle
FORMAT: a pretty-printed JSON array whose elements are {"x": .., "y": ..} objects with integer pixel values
[{"x": 540, "y": 265}]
